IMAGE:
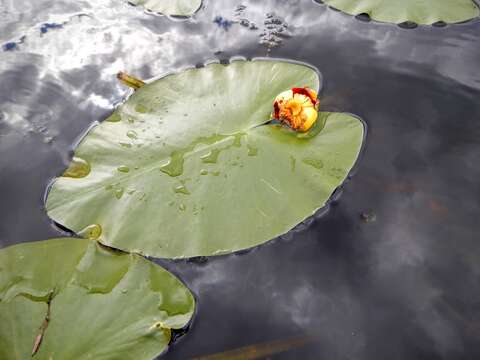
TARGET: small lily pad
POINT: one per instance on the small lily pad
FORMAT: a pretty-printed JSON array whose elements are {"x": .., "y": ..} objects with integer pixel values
[
  {"x": 207, "y": 176},
  {"x": 75, "y": 299},
  {"x": 423, "y": 12},
  {"x": 170, "y": 7}
]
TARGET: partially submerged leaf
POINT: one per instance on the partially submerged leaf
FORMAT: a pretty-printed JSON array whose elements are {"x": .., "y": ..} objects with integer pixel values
[
  {"x": 170, "y": 7},
  {"x": 201, "y": 175},
  {"x": 74, "y": 299},
  {"x": 418, "y": 11}
]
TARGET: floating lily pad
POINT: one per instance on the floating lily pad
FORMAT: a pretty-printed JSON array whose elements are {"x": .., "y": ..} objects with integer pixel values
[
  {"x": 170, "y": 7},
  {"x": 101, "y": 303},
  {"x": 421, "y": 12},
  {"x": 186, "y": 167}
]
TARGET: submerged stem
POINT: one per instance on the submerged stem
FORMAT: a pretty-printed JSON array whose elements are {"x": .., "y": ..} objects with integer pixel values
[
  {"x": 260, "y": 351},
  {"x": 130, "y": 81}
]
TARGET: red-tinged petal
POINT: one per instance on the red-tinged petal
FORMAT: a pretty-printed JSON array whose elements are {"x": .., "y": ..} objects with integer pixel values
[
  {"x": 296, "y": 108},
  {"x": 276, "y": 110},
  {"x": 307, "y": 92}
]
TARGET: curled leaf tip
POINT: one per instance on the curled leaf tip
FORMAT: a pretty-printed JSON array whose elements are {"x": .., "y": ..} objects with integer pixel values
[
  {"x": 130, "y": 81},
  {"x": 158, "y": 325},
  {"x": 91, "y": 232},
  {"x": 296, "y": 108}
]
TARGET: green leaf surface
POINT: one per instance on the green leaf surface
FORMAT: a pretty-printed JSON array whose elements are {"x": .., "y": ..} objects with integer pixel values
[
  {"x": 185, "y": 167},
  {"x": 419, "y": 11},
  {"x": 170, "y": 7},
  {"x": 105, "y": 304}
]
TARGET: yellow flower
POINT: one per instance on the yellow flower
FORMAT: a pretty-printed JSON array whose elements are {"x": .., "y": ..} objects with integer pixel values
[{"x": 297, "y": 108}]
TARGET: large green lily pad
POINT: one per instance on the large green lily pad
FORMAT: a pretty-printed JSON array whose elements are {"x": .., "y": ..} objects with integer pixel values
[
  {"x": 170, "y": 7},
  {"x": 183, "y": 168},
  {"x": 418, "y": 11},
  {"x": 104, "y": 304}
]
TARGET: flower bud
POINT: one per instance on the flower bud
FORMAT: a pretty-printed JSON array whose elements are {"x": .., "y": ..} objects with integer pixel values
[{"x": 297, "y": 108}]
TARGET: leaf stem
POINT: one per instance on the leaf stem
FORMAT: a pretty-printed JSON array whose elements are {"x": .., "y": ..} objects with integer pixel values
[
  {"x": 130, "y": 81},
  {"x": 43, "y": 327}
]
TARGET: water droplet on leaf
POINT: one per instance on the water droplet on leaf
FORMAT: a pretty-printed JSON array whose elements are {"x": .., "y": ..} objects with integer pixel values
[
  {"x": 140, "y": 108},
  {"x": 175, "y": 166},
  {"x": 237, "y": 141},
  {"x": 181, "y": 189},
  {"x": 118, "y": 193},
  {"x": 132, "y": 134},
  {"x": 252, "y": 151},
  {"x": 316, "y": 163},
  {"x": 123, "y": 168},
  {"x": 115, "y": 117},
  {"x": 78, "y": 168},
  {"x": 211, "y": 157}
]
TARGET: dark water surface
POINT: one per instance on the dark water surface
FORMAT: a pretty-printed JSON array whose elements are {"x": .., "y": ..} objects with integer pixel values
[{"x": 400, "y": 282}]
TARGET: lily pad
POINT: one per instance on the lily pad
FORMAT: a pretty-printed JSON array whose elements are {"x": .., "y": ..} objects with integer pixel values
[
  {"x": 170, "y": 7},
  {"x": 418, "y": 11},
  {"x": 101, "y": 303},
  {"x": 186, "y": 167}
]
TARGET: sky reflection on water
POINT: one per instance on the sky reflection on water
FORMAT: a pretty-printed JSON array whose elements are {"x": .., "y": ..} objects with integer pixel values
[{"x": 403, "y": 286}]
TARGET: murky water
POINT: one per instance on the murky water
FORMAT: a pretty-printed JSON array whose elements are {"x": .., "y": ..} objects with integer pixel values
[{"x": 391, "y": 271}]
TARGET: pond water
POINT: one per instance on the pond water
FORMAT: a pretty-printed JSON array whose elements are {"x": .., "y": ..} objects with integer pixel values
[{"x": 390, "y": 271}]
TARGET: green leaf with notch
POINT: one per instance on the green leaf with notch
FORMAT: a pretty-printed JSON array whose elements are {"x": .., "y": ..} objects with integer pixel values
[{"x": 187, "y": 167}]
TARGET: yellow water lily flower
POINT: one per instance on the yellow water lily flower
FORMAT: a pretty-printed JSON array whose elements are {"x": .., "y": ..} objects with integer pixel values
[{"x": 297, "y": 108}]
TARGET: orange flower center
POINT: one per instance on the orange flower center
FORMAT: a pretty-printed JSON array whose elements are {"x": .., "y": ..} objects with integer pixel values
[{"x": 296, "y": 108}]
